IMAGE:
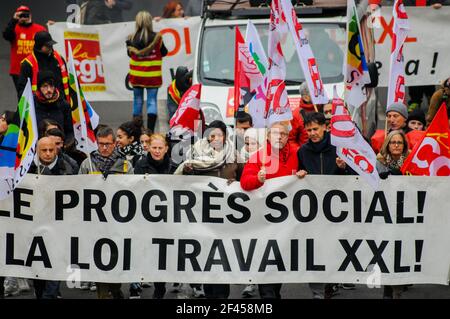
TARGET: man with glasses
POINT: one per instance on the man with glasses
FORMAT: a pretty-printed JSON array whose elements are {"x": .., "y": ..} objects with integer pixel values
[
  {"x": 20, "y": 33},
  {"x": 106, "y": 160},
  {"x": 277, "y": 158}
]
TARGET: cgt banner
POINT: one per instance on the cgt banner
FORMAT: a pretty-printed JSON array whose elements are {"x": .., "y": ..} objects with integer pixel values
[
  {"x": 101, "y": 58},
  {"x": 201, "y": 230},
  {"x": 425, "y": 50}
]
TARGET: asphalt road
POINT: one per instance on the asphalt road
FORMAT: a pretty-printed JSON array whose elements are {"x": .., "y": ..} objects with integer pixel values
[
  {"x": 288, "y": 291},
  {"x": 114, "y": 113}
]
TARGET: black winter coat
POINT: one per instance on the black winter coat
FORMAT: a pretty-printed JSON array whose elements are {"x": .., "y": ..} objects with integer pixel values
[
  {"x": 147, "y": 165},
  {"x": 320, "y": 158},
  {"x": 61, "y": 168},
  {"x": 58, "y": 111}
]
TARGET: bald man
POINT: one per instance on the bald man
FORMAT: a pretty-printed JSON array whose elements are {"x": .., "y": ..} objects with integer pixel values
[{"x": 47, "y": 162}]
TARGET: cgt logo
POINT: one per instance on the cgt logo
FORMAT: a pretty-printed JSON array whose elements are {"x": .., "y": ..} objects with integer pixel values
[{"x": 87, "y": 59}]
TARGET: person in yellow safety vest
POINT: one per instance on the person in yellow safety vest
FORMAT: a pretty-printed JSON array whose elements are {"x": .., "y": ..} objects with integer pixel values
[
  {"x": 176, "y": 89},
  {"x": 146, "y": 50},
  {"x": 44, "y": 58}
]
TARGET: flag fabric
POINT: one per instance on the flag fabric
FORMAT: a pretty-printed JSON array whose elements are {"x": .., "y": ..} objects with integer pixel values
[
  {"x": 277, "y": 103},
  {"x": 18, "y": 147},
  {"x": 350, "y": 145},
  {"x": 305, "y": 54},
  {"x": 256, "y": 106},
  {"x": 82, "y": 112},
  {"x": 183, "y": 122},
  {"x": 356, "y": 72},
  {"x": 431, "y": 156},
  {"x": 246, "y": 74},
  {"x": 396, "y": 85}
]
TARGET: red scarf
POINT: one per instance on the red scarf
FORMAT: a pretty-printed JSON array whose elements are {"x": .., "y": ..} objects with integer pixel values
[
  {"x": 41, "y": 98},
  {"x": 283, "y": 154}
]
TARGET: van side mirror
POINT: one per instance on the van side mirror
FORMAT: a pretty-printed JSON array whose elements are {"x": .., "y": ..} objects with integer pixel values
[{"x": 373, "y": 73}]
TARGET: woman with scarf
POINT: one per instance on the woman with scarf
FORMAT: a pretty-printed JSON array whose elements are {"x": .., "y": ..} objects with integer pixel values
[
  {"x": 213, "y": 155},
  {"x": 128, "y": 141},
  {"x": 392, "y": 155},
  {"x": 389, "y": 162}
]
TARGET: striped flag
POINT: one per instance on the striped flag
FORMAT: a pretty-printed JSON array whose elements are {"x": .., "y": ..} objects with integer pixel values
[
  {"x": 18, "y": 147},
  {"x": 83, "y": 115},
  {"x": 356, "y": 72}
]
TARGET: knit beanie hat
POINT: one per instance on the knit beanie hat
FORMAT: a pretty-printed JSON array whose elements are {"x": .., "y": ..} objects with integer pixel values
[
  {"x": 417, "y": 115},
  {"x": 45, "y": 76},
  {"x": 399, "y": 108}
]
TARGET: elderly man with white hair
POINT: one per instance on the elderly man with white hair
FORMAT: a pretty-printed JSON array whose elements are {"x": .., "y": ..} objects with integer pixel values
[{"x": 278, "y": 158}]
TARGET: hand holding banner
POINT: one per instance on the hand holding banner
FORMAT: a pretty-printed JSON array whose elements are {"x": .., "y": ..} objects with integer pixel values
[{"x": 350, "y": 145}]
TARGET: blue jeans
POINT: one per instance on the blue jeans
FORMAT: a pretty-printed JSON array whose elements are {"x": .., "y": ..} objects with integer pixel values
[{"x": 138, "y": 101}]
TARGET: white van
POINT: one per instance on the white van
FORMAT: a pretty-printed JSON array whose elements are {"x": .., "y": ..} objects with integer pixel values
[{"x": 325, "y": 25}]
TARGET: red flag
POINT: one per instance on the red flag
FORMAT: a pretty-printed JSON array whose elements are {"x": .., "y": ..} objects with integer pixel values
[
  {"x": 237, "y": 69},
  {"x": 187, "y": 113},
  {"x": 431, "y": 157}
]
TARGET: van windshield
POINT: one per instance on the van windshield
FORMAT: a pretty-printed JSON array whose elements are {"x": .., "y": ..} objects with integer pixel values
[{"x": 327, "y": 42}]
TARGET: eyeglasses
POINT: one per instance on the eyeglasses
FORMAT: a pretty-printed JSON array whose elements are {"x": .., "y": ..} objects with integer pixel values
[
  {"x": 395, "y": 143},
  {"x": 105, "y": 145},
  {"x": 24, "y": 15}
]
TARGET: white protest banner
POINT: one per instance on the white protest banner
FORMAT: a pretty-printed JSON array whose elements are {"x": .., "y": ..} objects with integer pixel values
[
  {"x": 200, "y": 229},
  {"x": 425, "y": 48},
  {"x": 101, "y": 56}
]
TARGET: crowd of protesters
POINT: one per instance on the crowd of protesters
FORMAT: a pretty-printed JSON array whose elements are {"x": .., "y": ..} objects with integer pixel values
[{"x": 250, "y": 156}]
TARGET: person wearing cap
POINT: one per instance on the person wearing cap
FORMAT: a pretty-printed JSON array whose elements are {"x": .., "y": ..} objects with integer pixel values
[
  {"x": 49, "y": 104},
  {"x": 416, "y": 123},
  {"x": 44, "y": 58},
  {"x": 416, "y": 120},
  {"x": 396, "y": 118},
  {"x": 20, "y": 33}
]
